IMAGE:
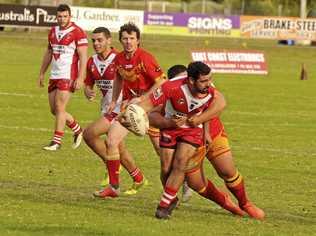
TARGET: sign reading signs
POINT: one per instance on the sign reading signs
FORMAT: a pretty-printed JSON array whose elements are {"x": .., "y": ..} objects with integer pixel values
[
  {"x": 27, "y": 15},
  {"x": 277, "y": 27},
  {"x": 191, "y": 24},
  {"x": 236, "y": 62}
]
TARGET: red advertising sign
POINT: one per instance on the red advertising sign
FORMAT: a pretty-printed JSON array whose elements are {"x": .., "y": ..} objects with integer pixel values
[{"x": 233, "y": 61}]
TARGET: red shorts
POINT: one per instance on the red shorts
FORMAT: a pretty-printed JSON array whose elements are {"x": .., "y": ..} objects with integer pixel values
[
  {"x": 169, "y": 138},
  {"x": 61, "y": 84},
  {"x": 110, "y": 117}
]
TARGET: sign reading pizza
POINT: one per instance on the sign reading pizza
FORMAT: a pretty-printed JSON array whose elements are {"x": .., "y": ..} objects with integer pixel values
[{"x": 233, "y": 61}]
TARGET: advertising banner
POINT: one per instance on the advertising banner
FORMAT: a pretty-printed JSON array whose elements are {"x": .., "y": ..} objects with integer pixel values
[
  {"x": 18, "y": 15},
  {"x": 89, "y": 18},
  {"x": 277, "y": 28},
  {"x": 86, "y": 17},
  {"x": 191, "y": 24},
  {"x": 233, "y": 61}
]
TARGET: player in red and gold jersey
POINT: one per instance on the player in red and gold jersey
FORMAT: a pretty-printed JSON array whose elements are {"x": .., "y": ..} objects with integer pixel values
[
  {"x": 137, "y": 75},
  {"x": 67, "y": 47},
  {"x": 101, "y": 72}
]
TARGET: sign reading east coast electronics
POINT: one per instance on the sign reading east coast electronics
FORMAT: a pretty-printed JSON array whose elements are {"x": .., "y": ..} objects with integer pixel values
[
  {"x": 278, "y": 27},
  {"x": 230, "y": 61},
  {"x": 27, "y": 15},
  {"x": 89, "y": 18}
]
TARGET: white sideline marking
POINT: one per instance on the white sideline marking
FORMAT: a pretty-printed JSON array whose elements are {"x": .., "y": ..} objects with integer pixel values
[
  {"x": 19, "y": 94},
  {"x": 278, "y": 150},
  {"x": 34, "y": 129},
  {"x": 27, "y": 95}
]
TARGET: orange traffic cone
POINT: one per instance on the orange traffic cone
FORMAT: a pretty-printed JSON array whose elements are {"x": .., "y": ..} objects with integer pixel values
[{"x": 303, "y": 72}]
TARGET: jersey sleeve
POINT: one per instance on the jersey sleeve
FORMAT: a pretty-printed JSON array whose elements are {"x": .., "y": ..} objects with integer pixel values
[
  {"x": 152, "y": 69},
  {"x": 81, "y": 38},
  {"x": 89, "y": 77},
  {"x": 160, "y": 95}
]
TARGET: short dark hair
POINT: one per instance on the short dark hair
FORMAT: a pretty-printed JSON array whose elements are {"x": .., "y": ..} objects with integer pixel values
[
  {"x": 173, "y": 71},
  {"x": 63, "y": 7},
  {"x": 129, "y": 28},
  {"x": 103, "y": 30},
  {"x": 196, "y": 69}
]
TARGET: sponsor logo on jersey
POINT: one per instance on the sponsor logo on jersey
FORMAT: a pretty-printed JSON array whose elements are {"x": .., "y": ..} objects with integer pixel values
[{"x": 157, "y": 93}]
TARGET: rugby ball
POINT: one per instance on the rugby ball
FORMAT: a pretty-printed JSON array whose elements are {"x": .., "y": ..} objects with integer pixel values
[{"x": 135, "y": 120}]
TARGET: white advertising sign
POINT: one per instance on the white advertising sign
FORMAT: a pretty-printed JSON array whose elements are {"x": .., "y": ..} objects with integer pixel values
[{"x": 89, "y": 18}]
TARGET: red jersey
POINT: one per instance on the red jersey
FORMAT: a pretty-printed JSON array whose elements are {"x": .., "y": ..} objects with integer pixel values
[
  {"x": 138, "y": 73},
  {"x": 64, "y": 44},
  {"x": 178, "y": 100},
  {"x": 101, "y": 72}
]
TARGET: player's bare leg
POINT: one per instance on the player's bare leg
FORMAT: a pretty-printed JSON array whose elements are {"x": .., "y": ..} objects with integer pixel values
[
  {"x": 62, "y": 117},
  {"x": 169, "y": 198},
  {"x": 92, "y": 137},
  {"x": 166, "y": 159},
  {"x": 58, "y": 100},
  {"x": 225, "y": 168},
  {"x": 116, "y": 135},
  {"x": 208, "y": 190},
  {"x": 129, "y": 164},
  {"x": 155, "y": 142},
  {"x": 56, "y": 105}
]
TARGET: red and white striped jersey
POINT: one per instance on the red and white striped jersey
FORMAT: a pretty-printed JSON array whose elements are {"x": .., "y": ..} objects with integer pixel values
[
  {"x": 64, "y": 44},
  {"x": 102, "y": 72},
  {"x": 178, "y": 100}
]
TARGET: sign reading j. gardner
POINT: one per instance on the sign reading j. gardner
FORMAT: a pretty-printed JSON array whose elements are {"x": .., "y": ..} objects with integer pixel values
[
  {"x": 27, "y": 15},
  {"x": 230, "y": 61}
]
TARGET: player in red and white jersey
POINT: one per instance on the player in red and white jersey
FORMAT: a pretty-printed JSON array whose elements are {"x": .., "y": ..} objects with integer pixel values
[
  {"x": 67, "y": 55},
  {"x": 219, "y": 155},
  {"x": 137, "y": 73},
  {"x": 101, "y": 72},
  {"x": 191, "y": 98}
]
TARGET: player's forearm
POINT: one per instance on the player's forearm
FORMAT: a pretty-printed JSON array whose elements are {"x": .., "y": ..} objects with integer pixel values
[
  {"x": 117, "y": 88},
  {"x": 213, "y": 111},
  {"x": 159, "y": 121},
  {"x": 83, "y": 58},
  {"x": 47, "y": 58}
]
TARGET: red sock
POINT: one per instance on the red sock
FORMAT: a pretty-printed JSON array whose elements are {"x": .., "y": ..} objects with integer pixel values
[
  {"x": 137, "y": 175},
  {"x": 113, "y": 167},
  {"x": 75, "y": 127},
  {"x": 58, "y": 136},
  {"x": 212, "y": 193},
  {"x": 168, "y": 196},
  {"x": 239, "y": 192}
]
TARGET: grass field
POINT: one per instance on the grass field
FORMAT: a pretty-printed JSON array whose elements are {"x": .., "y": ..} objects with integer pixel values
[{"x": 271, "y": 122}]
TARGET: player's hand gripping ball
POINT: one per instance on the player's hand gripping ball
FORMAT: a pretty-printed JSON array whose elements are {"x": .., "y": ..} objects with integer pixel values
[{"x": 135, "y": 119}]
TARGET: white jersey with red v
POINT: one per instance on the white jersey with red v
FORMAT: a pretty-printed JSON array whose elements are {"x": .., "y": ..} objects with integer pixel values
[
  {"x": 101, "y": 72},
  {"x": 178, "y": 100},
  {"x": 64, "y": 44}
]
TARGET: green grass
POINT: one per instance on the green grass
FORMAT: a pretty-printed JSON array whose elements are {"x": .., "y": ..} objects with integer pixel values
[{"x": 270, "y": 121}]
